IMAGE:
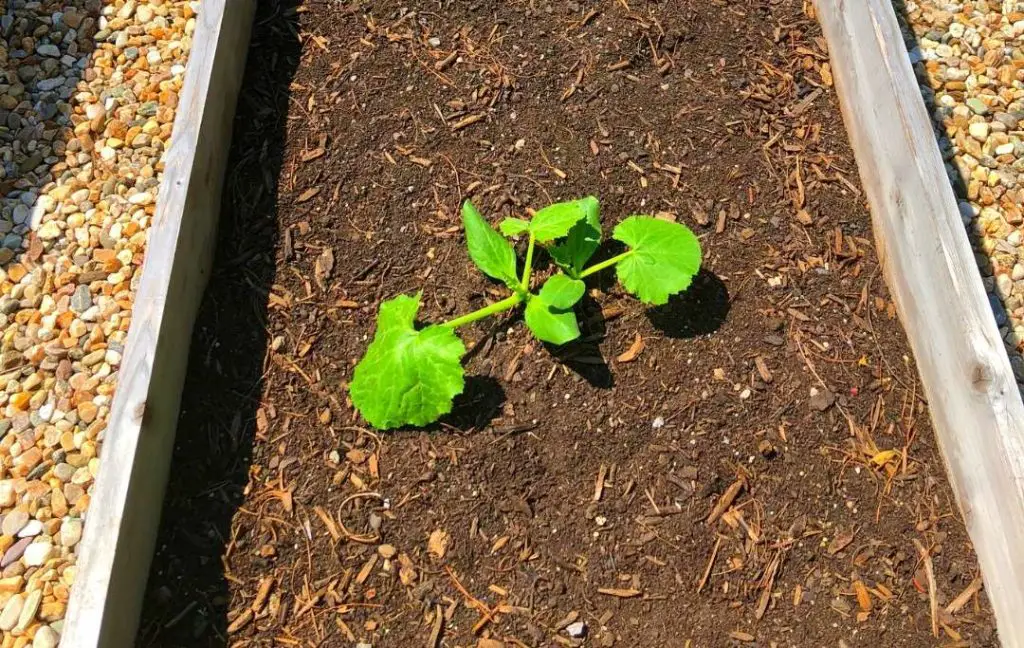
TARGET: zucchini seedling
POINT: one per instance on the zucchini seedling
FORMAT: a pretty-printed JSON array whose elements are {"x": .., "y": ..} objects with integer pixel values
[{"x": 410, "y": 376}]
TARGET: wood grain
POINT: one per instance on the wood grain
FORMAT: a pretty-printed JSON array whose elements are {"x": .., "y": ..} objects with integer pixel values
[
  {"x": 124, "y": 514},
  {"x": 975, "y": 404}
]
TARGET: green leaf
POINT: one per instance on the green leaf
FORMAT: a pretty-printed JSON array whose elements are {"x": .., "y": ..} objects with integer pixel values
[
  {"x": 550, "y": 324},
  {"x": 555, "y": 221},
  {"x": 561, "y": 292},
  {"x": 407, "y": 376},
  {"x": 582, "y": 241},
  {"x": 663, "y": 260},
  {"x": 488, "y": 249},
  {"x": 514, "y": 226}
]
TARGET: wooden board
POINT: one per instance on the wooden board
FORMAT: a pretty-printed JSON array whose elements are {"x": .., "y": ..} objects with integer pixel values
[
  {"x": 122, "y": 520},
  {"x": 975, "y": 404}
]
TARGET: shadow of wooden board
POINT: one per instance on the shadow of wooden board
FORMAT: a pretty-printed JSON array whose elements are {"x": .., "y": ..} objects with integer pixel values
[
  {"x": 975, "y": 404},
  {"x": 123, "y": 516}
]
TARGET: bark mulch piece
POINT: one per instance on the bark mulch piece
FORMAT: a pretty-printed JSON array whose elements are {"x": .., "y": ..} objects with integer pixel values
[{"x": 750, "y": 465}]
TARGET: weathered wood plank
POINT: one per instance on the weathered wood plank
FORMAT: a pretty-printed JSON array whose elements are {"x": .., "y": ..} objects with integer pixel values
[
  {"x": 976, "y": 408},
  {"x": 124, "y": 514}
]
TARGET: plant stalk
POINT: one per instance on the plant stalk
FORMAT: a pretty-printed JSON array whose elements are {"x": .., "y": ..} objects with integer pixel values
[
  {"x": 529, "y": 264},
  {"x": 598, "y": 267},
  {"x": 493, "y": 309}
]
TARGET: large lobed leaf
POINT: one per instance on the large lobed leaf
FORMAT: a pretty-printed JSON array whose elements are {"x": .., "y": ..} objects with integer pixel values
[
  {"x": 582, "y": 240},
  {"x": 407, "y": 377},
  {"x": 488, "y": 249},
  {"x": 665, "y": 257}
]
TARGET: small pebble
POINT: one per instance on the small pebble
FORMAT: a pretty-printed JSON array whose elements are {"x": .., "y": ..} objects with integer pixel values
[
  {"x": 576, "y": 630},
  {"x": 37, "y": 553},
  {"x": 14, "y": 522},
  {"x": 31, "y": 530}
]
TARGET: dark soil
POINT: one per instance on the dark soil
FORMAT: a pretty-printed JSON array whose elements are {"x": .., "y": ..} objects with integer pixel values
[{"x": 762, "y": 473}]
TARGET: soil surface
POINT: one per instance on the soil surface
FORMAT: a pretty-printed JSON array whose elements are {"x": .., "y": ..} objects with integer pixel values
[{"x": 750, "y": 465}]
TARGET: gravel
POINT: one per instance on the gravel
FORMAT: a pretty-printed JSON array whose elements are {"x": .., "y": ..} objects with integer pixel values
[
  {"x": 970, "y": 64},
  {"x": 87, "y": 100}
]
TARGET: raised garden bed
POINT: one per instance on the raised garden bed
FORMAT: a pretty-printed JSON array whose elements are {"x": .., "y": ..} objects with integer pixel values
[
  {"x": 91, "y": 93},
  {"x": 752, "y": 463},
  {"x": 122, "y": 519}
]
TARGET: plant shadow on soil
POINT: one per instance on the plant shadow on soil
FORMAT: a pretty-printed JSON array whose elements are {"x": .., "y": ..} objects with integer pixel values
[
  {"x": 956, "y": 181},
  {"x": 479, "y": 403},
  {"x": 187, "y": 597},
  {"x": 700, "y": 310}
]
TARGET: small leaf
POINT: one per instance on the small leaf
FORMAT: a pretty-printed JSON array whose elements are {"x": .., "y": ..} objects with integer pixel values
[
  {"x": 407, "y": 376},
  {"x": 582, "y": 241},
  {"x": 488, "y": 249},
  {"x": 549, "y": 324},
  {"x": 665, "y": 257},
  {"x": 561, "y": 292},
  {"x": 514, "y": 226},
  {"x": 555, "y": 221}
]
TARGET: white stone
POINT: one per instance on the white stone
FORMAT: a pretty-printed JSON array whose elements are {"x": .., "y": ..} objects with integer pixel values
[
  {"x": 92, "y": 111},
  {"x": 37, "y": 554},
  {"x": 71, "y": 532},
  {"x": 31, "y": 530},
  {"x": 7, "y": 495},
  {"x": 29, "y": 610},
  {"x": 45, "y": 638},
  {"x": 1004, "y": 285},
  {"x": 49, "y": 231},
  {"x": 141, "y": 198},
  {"x": 11, "y": 612},
  {"x": 979, "y": 131},
  {"x": 127, "y": 10}
]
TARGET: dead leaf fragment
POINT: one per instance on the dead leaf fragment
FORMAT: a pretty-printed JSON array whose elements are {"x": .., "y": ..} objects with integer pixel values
[
  {"x": 619, "y": 593},
  {"x": 840, "y": 542},
  {"x": 437, "y": 544},
  {"x": 309, "y": 156},
  {"x": 726, "y": 501},
  {"x": 241, "y": 621},
  {"x": 863, "y": 597},
  {"x": 762, "y": 369},
  {"x": 826, "y": 74},
  {"x": 739, "y": 635},
  {"x": 323, "y": 266},
  {"x": 308, "y": 194},
  {"x": 630, "y": 354}
]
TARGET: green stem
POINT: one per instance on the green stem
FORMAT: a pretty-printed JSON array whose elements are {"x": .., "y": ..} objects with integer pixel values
[
  {"x": 529, "y": 264},
  {"x": 598, "y": 267},
  {"x": 497, "y": 307}
]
